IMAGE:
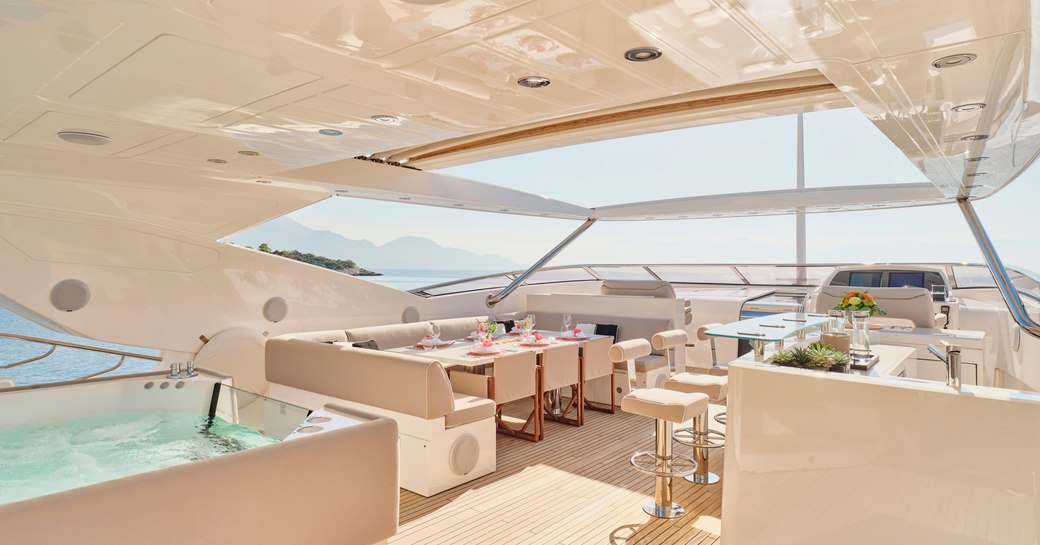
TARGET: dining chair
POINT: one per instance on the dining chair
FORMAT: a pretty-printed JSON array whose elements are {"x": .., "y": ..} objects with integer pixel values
[
  {"x": 561, "y": 367},
  {"x": 596, "y": 364},
  {"x": 513, "y": 377}
]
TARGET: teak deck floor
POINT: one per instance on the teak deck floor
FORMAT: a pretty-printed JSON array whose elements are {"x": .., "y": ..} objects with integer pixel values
[{"x": 575, "y": 486}]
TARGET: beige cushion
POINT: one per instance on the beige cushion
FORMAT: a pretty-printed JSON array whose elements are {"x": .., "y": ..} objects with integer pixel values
[
  {"x": 644, "y": 288},
  {"x": 629, "y": 350},
  {"x": 669, "y": 339},
  {"x": 458, "y": 328},
  {"x": 397, "y": 382},
  {"x": 715, "y": 387},
  {"x": 664, "y": 404},
  {"x": 390, "y": 336},
  {"x": 469, "y": 409}
]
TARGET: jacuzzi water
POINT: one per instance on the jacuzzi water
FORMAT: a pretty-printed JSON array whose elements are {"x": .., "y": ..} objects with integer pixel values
[{"x": 39, "y": 459}]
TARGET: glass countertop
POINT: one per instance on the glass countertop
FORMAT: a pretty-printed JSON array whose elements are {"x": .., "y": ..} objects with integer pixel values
[{"x": 772, "y": 328}]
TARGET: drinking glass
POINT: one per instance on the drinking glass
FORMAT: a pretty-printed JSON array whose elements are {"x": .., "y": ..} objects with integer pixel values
[
  {"x": 530, "y": 321},
  {"x": 566, "y": 323},
  {"x": 436, "y": 330}
]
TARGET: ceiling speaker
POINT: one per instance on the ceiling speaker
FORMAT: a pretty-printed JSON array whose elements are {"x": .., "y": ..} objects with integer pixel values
[
  {"x": 69, "y": 295},
  {"x": 276, "y": 309}
]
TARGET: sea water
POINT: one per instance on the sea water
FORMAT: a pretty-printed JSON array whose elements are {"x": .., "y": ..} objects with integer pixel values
[{"x": 39, "y": 459}]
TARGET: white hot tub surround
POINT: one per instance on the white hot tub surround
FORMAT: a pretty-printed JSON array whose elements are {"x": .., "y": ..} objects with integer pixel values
[{"x": 818, "y": 458}]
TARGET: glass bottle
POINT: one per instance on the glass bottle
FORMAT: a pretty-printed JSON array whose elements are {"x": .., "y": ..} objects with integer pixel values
[{"x": 860, "y": 346}]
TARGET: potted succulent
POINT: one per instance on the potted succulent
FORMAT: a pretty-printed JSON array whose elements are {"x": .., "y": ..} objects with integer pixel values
[{"x": 814, "y": 356}]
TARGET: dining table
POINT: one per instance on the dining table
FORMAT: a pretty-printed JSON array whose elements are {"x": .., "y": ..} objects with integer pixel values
[{"x": 461, "y": 354}]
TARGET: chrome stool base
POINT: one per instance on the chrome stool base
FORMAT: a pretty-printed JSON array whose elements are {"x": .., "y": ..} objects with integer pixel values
[
  {"x": 697, "y": 478},
  {"x": 721, "y": 418},
  {"x": 672, "y": 511}
]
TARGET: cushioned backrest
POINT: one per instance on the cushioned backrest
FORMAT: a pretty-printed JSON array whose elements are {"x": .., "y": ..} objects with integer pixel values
[
  {"x": 396, "y": 382},
  {"x": 611, "y": 330},
  {"x": 330, "y": 336},
  {"x": 457, "y": 328},
  {"x": 914, "y": 304},
  {"x": 645, "y": 288},
  {"x": 514, "y": 377},
  {"x": 669, "y": 339},
  {"x": 597, "y": 358},
  {"x": 390, "y": 336},
  {"x": 560, "y": 366},
  {"x": 629, "y": 350}
]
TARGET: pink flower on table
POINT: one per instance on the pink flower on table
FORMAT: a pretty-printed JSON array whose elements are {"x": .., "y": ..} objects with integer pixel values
[
  {"x": 487, "y": 343},
  {"x": 481, "y": 327},
  {"x": 577, "y": 332},
  {"x": 428, "y": 337},
  {"x": 538, "y": 336}
]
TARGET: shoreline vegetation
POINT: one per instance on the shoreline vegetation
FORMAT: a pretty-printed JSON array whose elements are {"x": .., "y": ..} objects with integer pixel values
[{"x": 344, "y": 266}]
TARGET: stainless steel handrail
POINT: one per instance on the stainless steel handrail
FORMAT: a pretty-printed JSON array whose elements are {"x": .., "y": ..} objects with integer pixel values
[
  {"x": 55, "y": 344},
  {"x": 493, "y": 300},
  {"x": 589, "y": 268},
  {"x": 1007, "y": 288}
]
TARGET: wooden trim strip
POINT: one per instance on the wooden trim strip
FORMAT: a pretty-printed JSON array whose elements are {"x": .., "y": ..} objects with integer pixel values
[{"x": 624, "y": 116}]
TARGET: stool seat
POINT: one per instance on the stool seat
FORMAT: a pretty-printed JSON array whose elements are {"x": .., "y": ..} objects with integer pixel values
[
  {"x": 715, "y": 387},
  {"x": 667, "y": 405}
]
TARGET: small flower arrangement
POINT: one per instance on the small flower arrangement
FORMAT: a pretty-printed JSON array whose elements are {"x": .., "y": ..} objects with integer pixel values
[
  {"x": 487, "y": 343},
  {"x": 523, "y": 325},
  {"x": 859, "y": 300},
  {"x": 538, "y": 337},
  {"x": 576, "y": 332},
  {"x": 815, "y": 356}
]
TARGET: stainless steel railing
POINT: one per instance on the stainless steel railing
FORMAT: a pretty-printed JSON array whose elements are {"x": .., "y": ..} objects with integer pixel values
[{"x": 123, "y": 355}]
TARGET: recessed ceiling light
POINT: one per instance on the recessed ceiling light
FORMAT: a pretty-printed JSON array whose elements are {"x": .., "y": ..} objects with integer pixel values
[
  {"x": 84, "y": 138},
  {"x": 404, "y": 198},
  {"x": 249, "y": 153},
  {"x": 950, "y": 61},
  {"x": 543, "y": 215},
  {"x": 533, "y": 82},
  {"x": 976, "y": 159},
  {"x": 217, "y": 161},
  {"x": 969, "y": 107},
  {"x": 330, "y": 132},
  {"x": 975, "y": 137},
  {"x": 263, "y": 181},
  {"x": 974, "y": 174},
  {"x": 643, "y": 54},
  {"x": 388, "y": 119},
  {"x": 503, "y": 210},
  {"x": 457, "y": 204}
]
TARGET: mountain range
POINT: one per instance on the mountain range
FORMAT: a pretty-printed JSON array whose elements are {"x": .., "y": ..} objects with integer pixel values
[{"x": 401, "y": 253}]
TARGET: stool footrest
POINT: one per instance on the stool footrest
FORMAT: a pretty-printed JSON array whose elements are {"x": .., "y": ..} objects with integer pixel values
[
  {"x": 692, "y": 438},
  {"x": 649, "y": 462},
  {"x": 721, "y": 418}
]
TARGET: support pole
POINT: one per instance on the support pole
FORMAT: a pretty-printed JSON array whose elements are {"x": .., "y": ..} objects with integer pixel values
[
  {"x": 800, "y": 254},
  {"x": 996, "y": 268},
  {"x": 497, "y": 298}
]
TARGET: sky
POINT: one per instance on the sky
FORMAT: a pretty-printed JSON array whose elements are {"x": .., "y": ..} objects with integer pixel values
[{"x": 842, "y": 148}]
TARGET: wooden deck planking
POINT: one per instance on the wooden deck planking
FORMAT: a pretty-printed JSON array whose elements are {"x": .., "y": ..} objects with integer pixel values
[{"x": 574, "y": 487}]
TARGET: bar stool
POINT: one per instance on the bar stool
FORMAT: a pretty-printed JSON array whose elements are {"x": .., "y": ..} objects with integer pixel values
[
  {"x": 667, "y": 407},
  {"x": 639, "y": 361},
  {"x": 700, "y": 437},
  {"x": 669, "y": 342}
]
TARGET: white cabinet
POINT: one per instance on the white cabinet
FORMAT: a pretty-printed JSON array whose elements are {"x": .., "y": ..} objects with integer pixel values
[{"x": 927, "y": 366}]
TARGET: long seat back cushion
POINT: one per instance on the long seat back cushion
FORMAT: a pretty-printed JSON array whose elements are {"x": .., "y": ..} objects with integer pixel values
[
  {"x": 390, "y": 336},
  {"x": 396, "y": 382},
  {"x": 458, "y": 328}
]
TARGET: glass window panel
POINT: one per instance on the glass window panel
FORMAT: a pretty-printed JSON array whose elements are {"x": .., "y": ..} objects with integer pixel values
[
  {"x": 786, "y": 275},
  {"x": 472, "y": 285},
  {"x": 559, "y": 275},
  {"x": 623, "y": 273},
  {"x": 698, "y": 274}
]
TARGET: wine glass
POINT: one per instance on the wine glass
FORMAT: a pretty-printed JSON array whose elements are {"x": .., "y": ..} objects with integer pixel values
[
  {"x": 566, "y": 323},
  {"x": 530, "y": 321},
  {"x": 436, "y": 330}
]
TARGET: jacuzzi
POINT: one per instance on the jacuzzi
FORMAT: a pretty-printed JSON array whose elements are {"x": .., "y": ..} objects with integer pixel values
[{"x": 149, "y": 459}]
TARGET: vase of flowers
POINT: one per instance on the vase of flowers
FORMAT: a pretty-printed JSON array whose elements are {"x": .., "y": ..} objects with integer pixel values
[{"x": 859, "y": 300}]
